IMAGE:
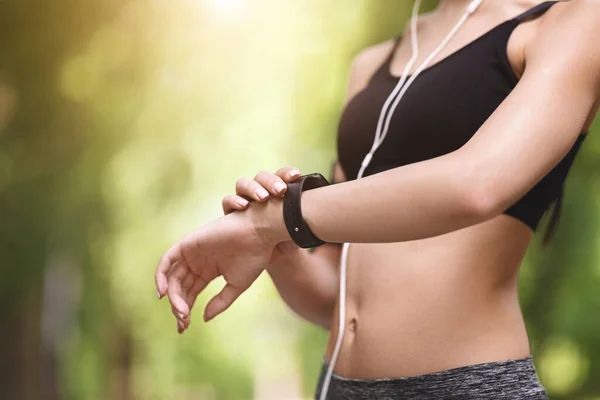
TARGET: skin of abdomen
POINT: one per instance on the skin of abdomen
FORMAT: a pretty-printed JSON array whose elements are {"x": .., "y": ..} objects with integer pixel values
[{"x": 433, "y": 304}]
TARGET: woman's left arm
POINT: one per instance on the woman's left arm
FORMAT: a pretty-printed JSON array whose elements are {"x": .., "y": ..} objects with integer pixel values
[{"x": 527, "y": 135}]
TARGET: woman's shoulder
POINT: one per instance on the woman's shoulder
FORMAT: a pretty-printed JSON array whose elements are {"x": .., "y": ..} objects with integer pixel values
[
  {"x": 569, "y": 28},
  {"x": 564, "y": 49},
  {"x": 365, "y": 64},
  {"x": 371, "y": 57},
  {"x": 571, "y": 20}
]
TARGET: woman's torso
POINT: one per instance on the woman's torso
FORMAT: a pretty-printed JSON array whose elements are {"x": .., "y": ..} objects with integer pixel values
[{"x": 442, "y": 302}]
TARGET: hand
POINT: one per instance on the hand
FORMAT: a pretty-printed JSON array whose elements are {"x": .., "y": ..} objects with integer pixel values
[
  {"x": 236, "y": 246},
  {"x": 264, "y": 185}
]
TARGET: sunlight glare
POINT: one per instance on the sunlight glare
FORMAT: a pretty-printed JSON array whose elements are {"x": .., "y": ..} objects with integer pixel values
[{"x": 225, "y": 5}]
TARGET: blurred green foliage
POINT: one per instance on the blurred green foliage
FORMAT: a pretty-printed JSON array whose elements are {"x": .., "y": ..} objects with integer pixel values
[{"x": 123, "y": 123}]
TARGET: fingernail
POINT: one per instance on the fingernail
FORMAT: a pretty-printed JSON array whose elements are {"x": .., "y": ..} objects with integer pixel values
[
  {"x": 294, "y": 173},
  {"x": 158, "y": 294},
  {"x": 262, "y": 193},
  {"x": 180, "y": 315},
  {"x": 242, "y": 202},
  {"x": 279, "y": 187}
]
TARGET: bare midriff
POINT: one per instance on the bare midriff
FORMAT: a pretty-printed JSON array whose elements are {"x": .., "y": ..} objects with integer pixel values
[{"x": 433, "y": 304}]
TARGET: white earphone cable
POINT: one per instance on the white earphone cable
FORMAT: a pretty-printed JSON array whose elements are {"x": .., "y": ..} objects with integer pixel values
[
  {"x": 380, "y": 134},
  {"x": 404, "y": 76}
]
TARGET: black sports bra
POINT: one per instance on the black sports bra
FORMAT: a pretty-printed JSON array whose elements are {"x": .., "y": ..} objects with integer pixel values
[{"x": 441, "y": 111}]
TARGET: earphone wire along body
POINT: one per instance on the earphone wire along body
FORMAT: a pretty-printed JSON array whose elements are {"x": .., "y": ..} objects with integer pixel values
[{"x": 382, "y": 129}]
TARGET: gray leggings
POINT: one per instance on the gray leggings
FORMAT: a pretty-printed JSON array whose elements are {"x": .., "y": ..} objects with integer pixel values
[{"x": 499, "y": 380}]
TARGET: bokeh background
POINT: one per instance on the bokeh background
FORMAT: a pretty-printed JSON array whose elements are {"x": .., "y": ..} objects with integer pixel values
[{"x": 122, "y": 125}]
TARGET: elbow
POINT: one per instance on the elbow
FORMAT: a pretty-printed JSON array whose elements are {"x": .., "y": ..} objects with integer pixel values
[
  {"x": 324, "y": 316},
  {"x": 478, "y": 195},
  {"x": 326, "y": 325},
  {"x": 320, "y": 318},
  {"x": 481, "y": 201},
  {"x": 482, "y": 206}
]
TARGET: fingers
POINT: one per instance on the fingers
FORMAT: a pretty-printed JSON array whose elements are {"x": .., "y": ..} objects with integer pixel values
[
  {"x": 190, "y": 298},
  {"x": 180, "y": 323},
  {"x": 265, "y": 184},
  {"x": 164, "y": 266},
  {"x": 233, "y": 203},
  {"x": 271, "y": 182},
  {"x": 194, "y": 291},
  {"x": 288, "y": 174},
  {"x": 184, "y": 320},
  {"x": 276, "y": 183},
  {"x": 252, "y": 189},
  {"x": 221, "y": 302},
  {"x": 175, "y": 291},
  {"x": 192, "y": 286}
]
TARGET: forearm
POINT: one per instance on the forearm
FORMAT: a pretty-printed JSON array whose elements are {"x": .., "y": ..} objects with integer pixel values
[
  {"x": 307, "y": 282},
  {"x": 411, "y": 202}
]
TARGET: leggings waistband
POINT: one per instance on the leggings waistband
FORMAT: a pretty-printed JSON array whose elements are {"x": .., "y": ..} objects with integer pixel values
[{"x": 498, "y": 380}]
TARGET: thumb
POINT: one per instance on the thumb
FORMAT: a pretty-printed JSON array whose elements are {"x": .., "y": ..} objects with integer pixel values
[{"x": 221, "y": 301}]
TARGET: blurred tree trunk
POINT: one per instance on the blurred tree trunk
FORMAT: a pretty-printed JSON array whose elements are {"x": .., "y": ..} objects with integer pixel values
[
  {"x": 27, "y": 370},
  {"x": 42, "y": 137}
]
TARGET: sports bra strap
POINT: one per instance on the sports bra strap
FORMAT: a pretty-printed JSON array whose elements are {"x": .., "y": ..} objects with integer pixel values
[
  {"x": 397, "y": 41},
  {"x": 539, "y": 9},
  {"x": 383, "y": 69}
]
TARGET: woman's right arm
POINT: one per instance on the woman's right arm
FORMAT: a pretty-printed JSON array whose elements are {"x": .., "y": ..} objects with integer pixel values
[
  {"x": 305, "y": 280},
  {"x": 308, "y": 281}
]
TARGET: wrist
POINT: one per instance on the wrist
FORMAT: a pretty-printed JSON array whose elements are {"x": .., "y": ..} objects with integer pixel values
[
  {"x": 268, "y": 222},
  {"x": 293, "y": 210}
]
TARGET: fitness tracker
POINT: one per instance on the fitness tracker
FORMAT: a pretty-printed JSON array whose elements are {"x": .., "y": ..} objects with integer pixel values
[{"x": 292, "y": 210}]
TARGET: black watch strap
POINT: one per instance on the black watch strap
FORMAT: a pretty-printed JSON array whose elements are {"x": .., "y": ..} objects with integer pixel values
[{"x": 292, "y": 210}]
